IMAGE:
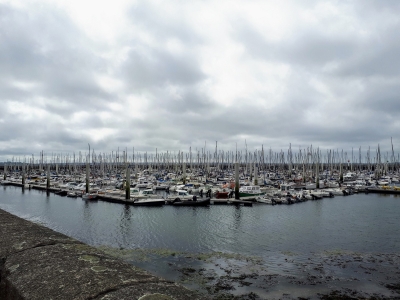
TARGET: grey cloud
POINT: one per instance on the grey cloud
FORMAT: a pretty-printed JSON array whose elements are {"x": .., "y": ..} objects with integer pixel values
[
  {"x": 373, "y": 52},
  {"x": 45, "y": 48},
  {"x": 150, "y": 18},
  {"x": 308, "y": 48},
  {"x": 191, "y": 100},
  {"x": 384, "y": 99},
  {"x": 149, "y": 68},
  {"x": 372, "y": 7},
  {"x": 379, "y": 57}
]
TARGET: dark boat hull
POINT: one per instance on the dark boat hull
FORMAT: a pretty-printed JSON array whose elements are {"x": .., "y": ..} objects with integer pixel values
[
  {"x": 148, "y": 203},
  {"x": 61, "y": 193},
  {"x": 204, "y": 202}
]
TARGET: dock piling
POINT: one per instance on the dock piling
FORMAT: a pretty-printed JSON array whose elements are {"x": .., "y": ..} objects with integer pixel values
[
  {"x": 48, "y": 177},
  {"x": 236, "y": 180},
  {"x": 127, "y": 183}
]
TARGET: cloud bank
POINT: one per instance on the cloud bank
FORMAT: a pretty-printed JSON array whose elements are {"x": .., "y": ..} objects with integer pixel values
[{"x": 173, "y": 75}]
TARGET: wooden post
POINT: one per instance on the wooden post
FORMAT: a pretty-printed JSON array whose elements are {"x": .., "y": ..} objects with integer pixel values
[
  {"x": 87, "y": 175},
  {"x": 48, "y": 177},
  {"x": 250, "y": 172},
  {"x": 127, "y": 183},
  {"x": 236, "y": 180},
  {"x": 23, "y": 175},
  {"x": 255, "y": 175},
  {"x": 340, "y": 172},
  {"x": 40, "y": 162},
  {"x": 184, "y": 173},
  {"x": 5, "y": 171}
]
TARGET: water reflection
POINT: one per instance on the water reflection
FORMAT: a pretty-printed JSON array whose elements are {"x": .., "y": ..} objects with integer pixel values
[
  {"x": 127, "y": 212},
  {"x": 237, "y": 216},
  {"x": 86, "y": 213},
  {"x": 125, "y": 225}
]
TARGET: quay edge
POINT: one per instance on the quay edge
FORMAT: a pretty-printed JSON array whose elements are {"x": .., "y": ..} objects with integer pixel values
[{"x": 37, "y": 262}]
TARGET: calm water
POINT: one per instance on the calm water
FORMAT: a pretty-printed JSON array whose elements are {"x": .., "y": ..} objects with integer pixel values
[{"x": 360, "y": 223}]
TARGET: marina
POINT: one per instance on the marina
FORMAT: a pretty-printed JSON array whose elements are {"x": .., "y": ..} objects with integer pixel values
[
  {"x": 282, "y": 189},
  {"x": 289, "y": 238},
  {"x": 223, "y": 176}
]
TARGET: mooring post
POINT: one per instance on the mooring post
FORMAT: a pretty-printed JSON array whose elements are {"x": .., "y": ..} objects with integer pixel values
[
  {"x": 87, "y": 175},
  {"x": 340, "y": 172},
  {"x": 250, "y": 173},
  {"x": 5, "y": 171},
  {"x": 255, "y": 174},
  {"x": 236, "y": 180},
  {"x": 48, "y": 177},
  {"x": 184, "y": 173},
  {"x": 23, "y": 175},
  {"x": 127, "y": 183}
]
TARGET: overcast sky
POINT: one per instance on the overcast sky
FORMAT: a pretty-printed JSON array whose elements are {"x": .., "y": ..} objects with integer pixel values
[{"x": 177, "y": 74}]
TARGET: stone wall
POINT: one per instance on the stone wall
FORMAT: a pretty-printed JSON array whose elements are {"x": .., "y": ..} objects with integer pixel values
[{"x": 39, "y": 263}]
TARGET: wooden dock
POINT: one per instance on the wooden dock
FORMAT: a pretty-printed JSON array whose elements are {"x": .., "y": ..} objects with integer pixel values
[
  {"x": 231, "y": 202},
  {"x": 122, "y": 200},
  {"x": 383, "y": 191}
]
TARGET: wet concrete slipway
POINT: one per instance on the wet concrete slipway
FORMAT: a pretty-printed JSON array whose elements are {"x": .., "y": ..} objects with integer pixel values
[{"x": 335, "y": 248}]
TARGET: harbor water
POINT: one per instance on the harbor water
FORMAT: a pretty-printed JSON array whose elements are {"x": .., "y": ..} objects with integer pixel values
[{"x": 282, "y": 237}]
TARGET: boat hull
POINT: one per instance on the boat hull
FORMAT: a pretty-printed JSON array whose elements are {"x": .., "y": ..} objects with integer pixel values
[
  {"x": 148, "y": 202},
  {"x": 204, "y": 202},
  {"x": 89, "y": 197}
]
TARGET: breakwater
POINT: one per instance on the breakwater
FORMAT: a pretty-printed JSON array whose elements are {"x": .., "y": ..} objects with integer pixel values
[{"x": 39, "y": 263}]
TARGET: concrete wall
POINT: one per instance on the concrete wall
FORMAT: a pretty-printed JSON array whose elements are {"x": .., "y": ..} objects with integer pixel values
[{"x": 39, "y": 263}]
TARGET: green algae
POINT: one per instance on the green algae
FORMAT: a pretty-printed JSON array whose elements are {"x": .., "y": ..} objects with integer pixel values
[
  {"x": 126, "y": 254},
  {"x": 19, "y": 246},
  {"x": 209, "y": 257},
  {"x": 89, "y": 258},
  {"x": 143, "y": 255},
  {"x": 98, "y": 269},
  {"x": 13, "y": 268},
  {"x": 340, "y": 252},
  {"x": 289, "y": 253},
  {"x": 155, "y": 297}
]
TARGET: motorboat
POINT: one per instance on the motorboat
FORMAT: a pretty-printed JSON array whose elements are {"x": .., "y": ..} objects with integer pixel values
[
  {"x": 148, "y": 202},
  {"x": 145, "y": 194},
  {"x": 89, "y": 196},
  {"x": 72, "y": 194},
  {"x": 335, "y": 191},
  {"x": 250, "y": 190},
  {"x": 193, "y": 202},
  {"x": 222, "y": 194},
  {"x": 160, "y": 186},
  {"x": 181, "y": 194},
  {"x": 264, "y": 200}
]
